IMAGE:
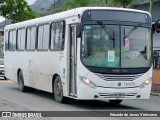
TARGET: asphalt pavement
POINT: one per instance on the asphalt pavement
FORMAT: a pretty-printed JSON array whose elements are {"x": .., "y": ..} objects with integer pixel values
[{"x": 11, "y": 99}]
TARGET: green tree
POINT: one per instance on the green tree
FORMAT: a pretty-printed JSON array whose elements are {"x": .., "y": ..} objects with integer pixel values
[
  {"x": 16, "y": 10},
  {"x": 123, "y": 3},
  {"x": 70, "y": 4},
  {"x": 77, "y": 3}
]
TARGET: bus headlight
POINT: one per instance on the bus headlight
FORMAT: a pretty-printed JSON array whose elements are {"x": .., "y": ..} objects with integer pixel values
[
  {"x": 146, "y": 83},
  {"x": 88, "y": 82}
]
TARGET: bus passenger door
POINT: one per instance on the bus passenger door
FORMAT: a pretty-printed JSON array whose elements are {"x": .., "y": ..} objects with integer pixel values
[{"x": 73, "y": 61}]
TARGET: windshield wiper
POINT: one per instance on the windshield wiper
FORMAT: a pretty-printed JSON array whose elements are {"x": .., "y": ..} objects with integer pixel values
[
  {"x": 106, "y": 31},
  {"x": 132, "y": 30}
]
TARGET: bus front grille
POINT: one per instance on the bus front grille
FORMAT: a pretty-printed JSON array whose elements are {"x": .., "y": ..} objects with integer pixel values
[
  {"x": 111, "y": 77},
  {"x": 119, "y": 95}
]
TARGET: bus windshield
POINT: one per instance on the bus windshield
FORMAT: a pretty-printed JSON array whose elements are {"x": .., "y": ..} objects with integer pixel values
[{"x": 116, "y": 46}]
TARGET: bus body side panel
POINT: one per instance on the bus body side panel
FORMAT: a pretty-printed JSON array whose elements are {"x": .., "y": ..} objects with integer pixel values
[
  {"x": 13, "y": 62},
  {"x": 43, "y": 66}
]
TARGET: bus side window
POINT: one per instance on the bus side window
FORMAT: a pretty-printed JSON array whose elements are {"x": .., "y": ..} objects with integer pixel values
[
  {"x": 21, "y": 39},
  {"x": 43, "y": 37},
  {"x": 31, "y": 38},
  {"x": 57, "y": 36},
  {"x": 12, "y": 40},
  {"x": 58, "y": 40},
  {"x": 6, "y": 40},
  {"x": 53, "y": 32},
  {"x": 46, "y": 37}
]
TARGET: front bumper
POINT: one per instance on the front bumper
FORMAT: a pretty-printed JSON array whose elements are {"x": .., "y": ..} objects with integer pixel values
[{"x": 100, "y": 93}]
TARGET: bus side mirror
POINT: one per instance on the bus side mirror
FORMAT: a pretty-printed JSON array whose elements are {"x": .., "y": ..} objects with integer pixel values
[
  {"x": 157, "y": 26},
  {"x": 78, "y": 30}
]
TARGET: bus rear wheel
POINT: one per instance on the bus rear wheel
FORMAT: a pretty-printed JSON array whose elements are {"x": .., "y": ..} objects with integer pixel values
[
  {"x": 58, "y": 90},
  {"x": 22, "y": 87},
  {"x": 115, "y": 102}
]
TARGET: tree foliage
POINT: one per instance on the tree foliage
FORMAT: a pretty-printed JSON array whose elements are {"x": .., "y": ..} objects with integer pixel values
[
  {"x": 62, "y": 5},
  {"x": 78, "y": 3},
  {"x": 123, "y": 3},
  {"x": 70, "y": 4},
  {"x": 16, "y": 10}
]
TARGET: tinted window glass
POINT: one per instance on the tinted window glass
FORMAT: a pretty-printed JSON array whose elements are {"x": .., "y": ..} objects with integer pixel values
[
  {"x": 31, "y": 38},
  {"x": 57, "y": 39},
  {"x": 6, "y": 40},
  {"x": 46, "y": 37},
  {"x": 12, "y": 40},
  {"x": 53, "y": 32},
  {"x": 21, "y": 39},
  {"x": 43, "y": 37}
]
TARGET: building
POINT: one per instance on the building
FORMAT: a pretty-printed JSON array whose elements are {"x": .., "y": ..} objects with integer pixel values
[{"x": 145, "y": 7}]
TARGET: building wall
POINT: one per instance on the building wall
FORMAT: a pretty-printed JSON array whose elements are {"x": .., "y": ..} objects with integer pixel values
[
  {"x": 156, "y": 42},
  {"x": 145, "y": 7}
]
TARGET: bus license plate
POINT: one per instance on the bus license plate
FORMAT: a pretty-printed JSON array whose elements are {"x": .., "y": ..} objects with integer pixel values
[{"x": 118, "y": 94}]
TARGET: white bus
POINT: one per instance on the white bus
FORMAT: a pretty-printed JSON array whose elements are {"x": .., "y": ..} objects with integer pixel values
[{"x": 90, "y": 53}]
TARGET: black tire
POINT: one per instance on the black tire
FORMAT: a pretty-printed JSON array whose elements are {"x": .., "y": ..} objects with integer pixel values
[
  {"x": 22, "y": 87},
  {"x": 58, "y": 91},
  {"x": 115, "y": 102},
  {"x": 5, "y": 78}
]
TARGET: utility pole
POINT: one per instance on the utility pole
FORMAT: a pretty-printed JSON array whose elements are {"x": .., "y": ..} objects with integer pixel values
[{"x": 151, "y": 7}]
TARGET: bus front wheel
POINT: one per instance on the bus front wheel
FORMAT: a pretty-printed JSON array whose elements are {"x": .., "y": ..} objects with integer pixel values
[
  {"x": 115, "y": 102},
  {"x": 58, "y": 90}
]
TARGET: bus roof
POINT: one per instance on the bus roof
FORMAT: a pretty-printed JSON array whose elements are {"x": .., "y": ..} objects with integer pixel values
[{"x": 65, "y": 14}]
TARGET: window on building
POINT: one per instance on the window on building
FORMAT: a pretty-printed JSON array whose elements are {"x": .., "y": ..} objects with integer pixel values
[{"x": 31, "y": 38}]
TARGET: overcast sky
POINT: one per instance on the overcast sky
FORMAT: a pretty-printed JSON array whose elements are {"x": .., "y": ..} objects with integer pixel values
[{"x": 29, "y": 2}]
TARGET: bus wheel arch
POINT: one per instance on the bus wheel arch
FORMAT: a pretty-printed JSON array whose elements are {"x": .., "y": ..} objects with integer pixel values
[{"x": 57, "y": 89}]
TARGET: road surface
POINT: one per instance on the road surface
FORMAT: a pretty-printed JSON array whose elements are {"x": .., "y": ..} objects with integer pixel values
[{"x": 12, "y": 99}]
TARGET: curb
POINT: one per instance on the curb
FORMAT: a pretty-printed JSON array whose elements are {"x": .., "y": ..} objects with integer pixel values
[{"x": 155, "y": 94}]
